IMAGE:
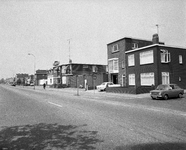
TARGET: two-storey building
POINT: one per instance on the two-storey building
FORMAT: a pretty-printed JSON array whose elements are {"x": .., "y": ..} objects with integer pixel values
[
  {"x": 117, "y": 57},
  {"x": 156, "y": 64},
  {"x": 76, "y": 74}
]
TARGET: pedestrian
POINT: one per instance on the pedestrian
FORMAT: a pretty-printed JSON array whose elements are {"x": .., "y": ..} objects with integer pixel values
[{"x": 44, "y": 85}]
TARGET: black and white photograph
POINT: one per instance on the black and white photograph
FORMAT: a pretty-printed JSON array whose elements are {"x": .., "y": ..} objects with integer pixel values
[{"x": 92, "y": 75}]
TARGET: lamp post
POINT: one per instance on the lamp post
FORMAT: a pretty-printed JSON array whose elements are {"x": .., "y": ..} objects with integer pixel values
[{"x": 34, "y": 66}]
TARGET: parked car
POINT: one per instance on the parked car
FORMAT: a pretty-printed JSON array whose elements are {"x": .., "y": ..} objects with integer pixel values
[
  {"x": 103, "y": 86},
  {"x": 13, "y": 84},
  {"x": 31, "y": 84},
  {"x": 167, "y": 91}
]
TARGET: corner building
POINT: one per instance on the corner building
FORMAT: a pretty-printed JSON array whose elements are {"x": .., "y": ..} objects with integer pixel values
[
  {"x": 156, "y": 64},
  {"x": 116, "y": 52}
]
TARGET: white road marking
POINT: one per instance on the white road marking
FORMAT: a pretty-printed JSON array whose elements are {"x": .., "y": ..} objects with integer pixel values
[{"x": 55, "y": 104}]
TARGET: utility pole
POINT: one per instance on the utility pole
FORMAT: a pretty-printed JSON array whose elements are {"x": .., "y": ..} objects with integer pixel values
[
  {"x": 34, "y": 67},
  {"x": 69, "y": 50}
]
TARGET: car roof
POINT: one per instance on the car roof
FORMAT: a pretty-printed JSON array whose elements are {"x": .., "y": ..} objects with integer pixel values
[{"x": 168, "y": 84}]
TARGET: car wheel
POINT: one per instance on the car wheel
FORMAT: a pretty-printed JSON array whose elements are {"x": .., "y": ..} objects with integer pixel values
[
  {"x": 180, "y": 95},
  {"x": 165, "y": 97},
  {"x": 152, "y": 98}
]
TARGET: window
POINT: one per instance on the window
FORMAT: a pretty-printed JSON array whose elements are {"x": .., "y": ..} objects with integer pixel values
[
  {"x": 115, "y": 48},
  {"x": 165, "y": 78},
  {"x": 85, "y": 66},
  {"x": 131, "y": 60},
  {"x": 94, "y": 69},
  {"x": 123, "y": 64},
  {"x": 131, "y": 79},
  {"x": 134, "y": 45},
  {"x": 180, "y": 59},
  {"x": 113, "y": 65},
  {"x": 165, "y": 56},
  {"x": 147, "y": 78},
  {"x": 146, "y": 57}
]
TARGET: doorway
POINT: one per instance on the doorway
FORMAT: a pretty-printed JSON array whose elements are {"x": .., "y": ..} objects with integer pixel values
[{"x": 114, "y": 78}]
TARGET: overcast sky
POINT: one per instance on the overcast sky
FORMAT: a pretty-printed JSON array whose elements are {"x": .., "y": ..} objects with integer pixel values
[{"x": 43, "y": 27}]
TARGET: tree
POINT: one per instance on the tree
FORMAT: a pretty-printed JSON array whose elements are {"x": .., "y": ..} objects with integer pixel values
[{"x": 2, "y": 81}]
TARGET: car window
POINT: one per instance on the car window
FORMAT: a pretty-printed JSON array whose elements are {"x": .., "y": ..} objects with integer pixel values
[
  {"x": 177, "y": 87},
  {"x": 161, "y": 87},
  {"x": 172, "y": 86}
]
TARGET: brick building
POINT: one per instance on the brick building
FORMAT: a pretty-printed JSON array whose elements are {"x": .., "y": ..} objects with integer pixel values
[
  {"x": 145, "y": 64},
  {"x": 117, "y": 57},
  {"x": 156, "y": 64},
  {"x": 73, "y": 74}
]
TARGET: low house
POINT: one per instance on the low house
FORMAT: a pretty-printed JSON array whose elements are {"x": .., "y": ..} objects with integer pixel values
[
  {"x": 21, "y": 78},
  {"x": 41, "y": 77},
  {"x": 76, "y": 74}
]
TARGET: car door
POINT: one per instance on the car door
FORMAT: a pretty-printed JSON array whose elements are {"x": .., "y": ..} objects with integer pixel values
[
  {"x": 171, "y": 91},
  {"x": 178, "y": 90}
]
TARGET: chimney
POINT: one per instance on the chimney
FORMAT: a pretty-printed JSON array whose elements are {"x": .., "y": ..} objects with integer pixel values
[{"x": 155, "y": 39}]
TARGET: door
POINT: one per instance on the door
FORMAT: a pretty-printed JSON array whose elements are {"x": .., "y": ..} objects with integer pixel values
[{"x": 115, "y": 79}]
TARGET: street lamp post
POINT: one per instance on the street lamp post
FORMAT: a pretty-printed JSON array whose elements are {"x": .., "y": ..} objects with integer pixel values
[{"x": 34, "y": 66}]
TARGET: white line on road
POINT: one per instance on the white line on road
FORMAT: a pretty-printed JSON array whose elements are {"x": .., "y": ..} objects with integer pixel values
[{"x": 55, "y": 104}]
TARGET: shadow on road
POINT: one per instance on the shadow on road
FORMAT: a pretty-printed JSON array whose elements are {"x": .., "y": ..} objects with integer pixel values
[
  {"x": 154, "y": 146},
  {"x": 47, "y": 137}
]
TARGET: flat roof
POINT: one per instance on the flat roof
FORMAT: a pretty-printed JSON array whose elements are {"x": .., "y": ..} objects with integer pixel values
[
  {"x": 81, "y": 64},
  {"x": 129, "y": 38},
  {"x": 153, "y": 45}
]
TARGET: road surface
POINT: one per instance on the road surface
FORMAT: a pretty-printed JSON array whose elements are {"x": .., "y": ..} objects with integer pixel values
[{"x": 56, "y": 119}]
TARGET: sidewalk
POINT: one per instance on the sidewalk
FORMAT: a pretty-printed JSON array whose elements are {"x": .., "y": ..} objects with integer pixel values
[{"x": 95, "y": 92}]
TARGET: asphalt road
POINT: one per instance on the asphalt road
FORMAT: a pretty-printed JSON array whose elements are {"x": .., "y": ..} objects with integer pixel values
[{"x": 59, "y": 119}]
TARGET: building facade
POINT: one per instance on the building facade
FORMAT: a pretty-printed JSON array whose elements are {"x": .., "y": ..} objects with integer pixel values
[
  {"x": 76, "y": 74},
  {"x": 117, "y": 57},
  {"x": 156, "y": 64},
  {"x": 41, "y": 77}
]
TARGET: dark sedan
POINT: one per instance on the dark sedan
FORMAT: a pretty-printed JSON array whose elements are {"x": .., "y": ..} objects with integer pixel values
[{"x": 167, "y": 91}]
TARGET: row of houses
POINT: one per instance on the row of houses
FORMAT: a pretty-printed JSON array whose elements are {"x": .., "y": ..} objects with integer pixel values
[{"x": 138, "y": 65}]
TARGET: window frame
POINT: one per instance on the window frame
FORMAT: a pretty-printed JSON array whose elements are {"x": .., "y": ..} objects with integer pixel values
[
  {"x": 134, "y": 45},
  {"x": 113, "y": 48},
  {"x": 143, "y": 59},
  {"x": 165, "y": 75},
  {"x": 131, "y": 62},
  {"x": 166, "y": 55},
  {"x": 143, "y": 79},
  {"x": 133, "y": 81},
  {"x": 112, "y": 68},
  {"x": 180, "y": 59}
]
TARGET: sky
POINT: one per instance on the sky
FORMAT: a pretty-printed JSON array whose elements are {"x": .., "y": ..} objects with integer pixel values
[{"x": 44, "y": 28}]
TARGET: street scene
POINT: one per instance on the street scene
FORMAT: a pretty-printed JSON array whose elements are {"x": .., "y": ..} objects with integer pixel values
[
  {"x": 92, "y": 75},
  {"x": 61, "y": 119}
]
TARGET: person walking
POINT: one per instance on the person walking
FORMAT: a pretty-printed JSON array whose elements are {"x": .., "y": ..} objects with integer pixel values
[{"x": 44, "y": 85}]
